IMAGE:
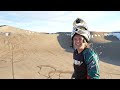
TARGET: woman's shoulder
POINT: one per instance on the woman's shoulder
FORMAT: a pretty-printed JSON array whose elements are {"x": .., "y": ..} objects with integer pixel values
[{"x": 89, "y": 52}]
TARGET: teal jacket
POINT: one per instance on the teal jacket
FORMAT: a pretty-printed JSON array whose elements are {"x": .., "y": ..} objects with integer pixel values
[
  {"x": 87, "y": 64},
  {"x": 92, "y": 61}
]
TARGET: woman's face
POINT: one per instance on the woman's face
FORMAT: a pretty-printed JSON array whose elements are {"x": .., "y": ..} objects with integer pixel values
[{"x": 78, "y": 42}]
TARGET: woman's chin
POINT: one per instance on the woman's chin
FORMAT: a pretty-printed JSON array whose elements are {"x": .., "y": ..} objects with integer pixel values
[{"x": 77, "y": 47}]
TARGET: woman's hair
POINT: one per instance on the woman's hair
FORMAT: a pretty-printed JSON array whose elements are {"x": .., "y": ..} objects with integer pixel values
[{"x": 87, "y": 44}]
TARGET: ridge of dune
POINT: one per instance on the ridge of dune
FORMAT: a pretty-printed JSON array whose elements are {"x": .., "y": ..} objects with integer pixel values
[
  {"x": 12, "y": 29},
  {"x": 102, "y": 37}
]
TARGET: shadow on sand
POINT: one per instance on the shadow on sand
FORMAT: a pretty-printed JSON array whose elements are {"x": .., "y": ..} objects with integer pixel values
[
  {"x": 109, "y": 52},
  {"x": 65, "y": 42}
]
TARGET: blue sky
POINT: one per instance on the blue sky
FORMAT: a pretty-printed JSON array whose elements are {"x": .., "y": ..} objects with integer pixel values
[{"x": 60, "y": 21}]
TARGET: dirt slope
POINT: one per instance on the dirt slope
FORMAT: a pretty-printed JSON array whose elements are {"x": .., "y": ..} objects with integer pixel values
[{"x": 30, "y": 55}]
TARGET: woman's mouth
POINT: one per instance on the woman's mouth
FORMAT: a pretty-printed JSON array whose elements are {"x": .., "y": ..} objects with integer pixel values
[{"x": 78, "y": 44}]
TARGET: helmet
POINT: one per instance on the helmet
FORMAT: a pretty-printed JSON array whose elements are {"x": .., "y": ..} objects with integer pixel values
[
  {"x": 81, "y": 31},
  {"x": 80, "y": 22},
  {"x": 80, "y": 27}
]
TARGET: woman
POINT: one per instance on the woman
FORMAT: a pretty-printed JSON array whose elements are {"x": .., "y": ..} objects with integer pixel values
[{"x": 86, "y": 60}]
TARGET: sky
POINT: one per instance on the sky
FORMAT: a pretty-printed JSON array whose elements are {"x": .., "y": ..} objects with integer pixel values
[{"x": 61, "y": 21}]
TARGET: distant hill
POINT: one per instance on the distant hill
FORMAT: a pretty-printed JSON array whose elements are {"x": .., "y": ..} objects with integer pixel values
[
  {"x": 12, "y": 29},
  {"x": 2, "y": 25}
]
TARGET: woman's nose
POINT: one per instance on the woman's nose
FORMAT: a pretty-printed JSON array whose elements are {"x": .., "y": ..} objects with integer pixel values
[{"x": 77, "y": 40}]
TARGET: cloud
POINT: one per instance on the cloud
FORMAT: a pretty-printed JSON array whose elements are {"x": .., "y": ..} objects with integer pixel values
[{"x": 60, "y": 20}]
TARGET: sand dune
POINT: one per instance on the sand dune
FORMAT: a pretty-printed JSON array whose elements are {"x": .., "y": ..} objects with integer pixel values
[{"x": 31, "y": 55}]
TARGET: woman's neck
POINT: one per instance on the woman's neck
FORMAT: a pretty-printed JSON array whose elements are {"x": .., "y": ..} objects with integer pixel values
[{"x": 80, "y": 50}]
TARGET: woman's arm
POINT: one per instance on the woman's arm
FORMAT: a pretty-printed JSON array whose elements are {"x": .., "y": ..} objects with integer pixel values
[{"x": 92, "y": 60}]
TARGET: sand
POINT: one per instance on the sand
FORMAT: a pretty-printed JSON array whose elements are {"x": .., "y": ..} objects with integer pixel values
[{"x": 31, "y": 55}]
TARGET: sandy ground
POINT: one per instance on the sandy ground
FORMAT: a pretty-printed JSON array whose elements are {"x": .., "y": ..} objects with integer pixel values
[{"x": 29, "y": 55}]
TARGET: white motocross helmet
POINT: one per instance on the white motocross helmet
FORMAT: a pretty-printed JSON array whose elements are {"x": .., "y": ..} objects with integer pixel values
[
  {"x": 80, "y": 22},
  {"x": 80, "y": 27},
  {"x": 84, "y": 33}
]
